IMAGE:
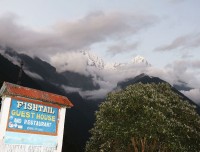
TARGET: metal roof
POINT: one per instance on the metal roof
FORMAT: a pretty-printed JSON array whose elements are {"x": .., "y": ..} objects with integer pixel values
[{"x": 13, "y": 90}]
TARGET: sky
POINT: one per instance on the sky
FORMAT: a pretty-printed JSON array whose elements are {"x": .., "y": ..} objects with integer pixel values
[{"x": 165, "y": 32}]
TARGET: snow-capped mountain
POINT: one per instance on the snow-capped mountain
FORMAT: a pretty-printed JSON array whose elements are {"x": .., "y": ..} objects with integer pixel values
[
  {"x": 93, "y": 60},
  {"x": 88, "y": 62},
  {"x": 140, "y": 60},
  {"x": 93, "y": 73}
]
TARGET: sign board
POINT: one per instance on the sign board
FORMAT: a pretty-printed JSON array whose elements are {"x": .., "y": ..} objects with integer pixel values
[{"x": 33, "y": 117}]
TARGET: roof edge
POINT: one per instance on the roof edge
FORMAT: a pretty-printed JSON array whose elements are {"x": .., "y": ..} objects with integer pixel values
[{"x": 14, "y": 90}]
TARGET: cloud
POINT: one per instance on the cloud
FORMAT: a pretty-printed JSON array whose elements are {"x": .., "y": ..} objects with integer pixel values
[
  {"x": 70, "y": 61},
  {"x": 33, "y": 75},
  {"x": 107, "y": 78},
  {"x": 24, "y": 39},
  {"x": 70, "y": 35},
  {"x": 182, "y": 43},
  {"x": 14, "y": 60},
  {"x": 176, "y": 1},
  {"x": 59, "y": 44},
  {"x": 122, "y": 47},
  {"x": 71, "y": 89},
  {"x": 175, "y": 72},
  {"x": 186, "y": 55},
  {"x": 92, "y": 94},
  {"x": 187, "y": 71},
  {"x": 17, "y": 62},
  {"x": 123, "y": 72},
  {"x": 95, "y": 94},
  {"x": 105, "y": 88},
  {"x": 193, "y": 94},
  {"x": 99, "y": 26},
  {"x": 196, "y": 64}
]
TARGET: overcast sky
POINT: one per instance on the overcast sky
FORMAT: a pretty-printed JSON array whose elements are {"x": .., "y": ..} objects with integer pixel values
[{"x": 165, "y": 32}]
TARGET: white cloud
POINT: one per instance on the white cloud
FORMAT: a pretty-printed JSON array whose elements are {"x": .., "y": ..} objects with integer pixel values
[
  {"x": 176, "y": 1},
  {"x": 34, "y": 75},
  {"x": 71, "y": 35},
  {"x": 59, "y": 43},
  {"x": 122, "y": 47},
  {"x": 183, "y": 43},
  {"x": 92, "y": 94},
  {"x": 193, "y": 94},
  {"x": 71, "y": 89},
  {"x": 180, "y": 70},
  {"x": 107, "y": 78},
  {"x": 70, "y": 61},
  {"x": 95, "y": 94},
  {"x": 14, "y": 60}
]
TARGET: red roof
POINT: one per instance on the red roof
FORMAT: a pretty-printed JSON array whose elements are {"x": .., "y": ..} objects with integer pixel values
[{"x": 10, "y": 89}]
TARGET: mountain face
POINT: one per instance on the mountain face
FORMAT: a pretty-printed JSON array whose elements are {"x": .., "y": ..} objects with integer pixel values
[
  {"x": 182, "y": 86},
  {"x": 86, "y": 83},
  {"x": 44, "y": 72},
  {"x": 41, "y": 75},
  {"x": 79, "y": 119},
  {"x": 143, "y": 78},
  {"x": 9, "y": 72}
]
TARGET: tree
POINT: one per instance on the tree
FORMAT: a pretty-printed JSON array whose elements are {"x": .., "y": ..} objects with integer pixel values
[{"x": 145, "y": 117}]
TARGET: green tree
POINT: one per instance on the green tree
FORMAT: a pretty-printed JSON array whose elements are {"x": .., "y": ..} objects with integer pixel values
[{"x": 145, "y": 117}]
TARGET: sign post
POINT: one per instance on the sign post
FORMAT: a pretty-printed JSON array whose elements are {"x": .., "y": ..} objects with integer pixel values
[{"x": 31, "y": 120}]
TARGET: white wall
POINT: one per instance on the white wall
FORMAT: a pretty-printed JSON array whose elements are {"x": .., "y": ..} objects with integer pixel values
[
  {"x": 5, "y": 107},
  {"x": 61, "y": 129}
]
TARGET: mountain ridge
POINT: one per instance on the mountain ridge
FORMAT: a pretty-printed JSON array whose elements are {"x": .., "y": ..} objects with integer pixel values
[{"x": 96, "y": 77}]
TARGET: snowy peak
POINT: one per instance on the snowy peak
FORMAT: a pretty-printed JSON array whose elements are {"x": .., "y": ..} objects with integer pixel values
[
  {"x": 140, "y": 60},
  {"x": 93, "y": 60}
]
